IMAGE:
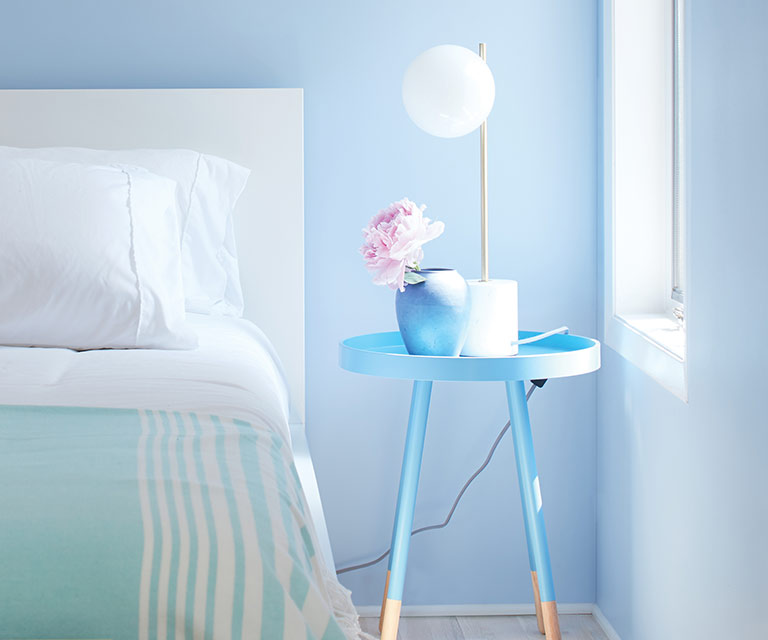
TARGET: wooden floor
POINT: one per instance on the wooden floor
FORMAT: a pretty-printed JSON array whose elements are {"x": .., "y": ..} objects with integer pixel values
[{"x": 573, "y": 627}]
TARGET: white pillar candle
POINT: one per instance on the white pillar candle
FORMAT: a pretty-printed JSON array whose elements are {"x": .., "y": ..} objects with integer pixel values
[{"x": 492, "y": 318}]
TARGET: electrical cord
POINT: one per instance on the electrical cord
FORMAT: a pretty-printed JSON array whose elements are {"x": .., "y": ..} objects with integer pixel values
[
  {"x": 480, "y": 469},
  {"x": 542, "y": 336}
]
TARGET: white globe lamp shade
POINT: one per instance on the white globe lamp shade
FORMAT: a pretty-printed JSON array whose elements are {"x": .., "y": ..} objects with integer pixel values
[{"x": 448, "y": 91}]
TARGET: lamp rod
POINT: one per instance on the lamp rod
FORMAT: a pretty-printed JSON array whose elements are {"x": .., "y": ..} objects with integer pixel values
[{"x": 483, "y": 192}]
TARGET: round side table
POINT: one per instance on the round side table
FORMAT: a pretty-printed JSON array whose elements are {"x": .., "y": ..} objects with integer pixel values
[{"x": 384, "y": 355}]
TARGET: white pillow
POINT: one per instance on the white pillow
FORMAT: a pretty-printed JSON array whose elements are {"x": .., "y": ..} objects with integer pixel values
[
  {"x": 89, "y": 258},
  {"x": 207, "y": 190}
]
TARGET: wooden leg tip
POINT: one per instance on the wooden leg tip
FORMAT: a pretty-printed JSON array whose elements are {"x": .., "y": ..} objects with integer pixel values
[
  {"x": 551, "y": 621},
  {"x": 384, "y": 601},
  {"x": 537, "y": 602},
  {"x": 390, "y": 620}
]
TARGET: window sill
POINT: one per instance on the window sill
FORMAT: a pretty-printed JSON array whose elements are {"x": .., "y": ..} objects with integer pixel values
[
  {"x": 665, "y": 332},
  {"x": 653, "y": 343}
]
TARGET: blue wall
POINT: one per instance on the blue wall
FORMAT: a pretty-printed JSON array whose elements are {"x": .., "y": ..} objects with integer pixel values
[
  {"x": 362, "y": 152},
  {"x": 683, "y": 488}
]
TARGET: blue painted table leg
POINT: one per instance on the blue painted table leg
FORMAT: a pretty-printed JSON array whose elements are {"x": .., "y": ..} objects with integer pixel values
[
  {"x": 406, "y": 503},
  {"x": 532, "y": 565},
  {"x": 533, "y": 515}
]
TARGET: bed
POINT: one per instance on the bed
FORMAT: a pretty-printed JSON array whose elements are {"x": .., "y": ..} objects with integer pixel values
[{"x": 164, "y": 493}]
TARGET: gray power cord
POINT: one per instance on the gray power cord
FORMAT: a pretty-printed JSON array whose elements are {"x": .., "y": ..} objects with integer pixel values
[{"x": 432, "y": 527}]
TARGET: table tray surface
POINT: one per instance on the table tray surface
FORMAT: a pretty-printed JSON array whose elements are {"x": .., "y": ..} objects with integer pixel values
[{"x": 384, "y": 354}]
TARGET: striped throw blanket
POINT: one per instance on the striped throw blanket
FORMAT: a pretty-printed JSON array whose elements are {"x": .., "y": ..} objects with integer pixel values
[{"x": 148, "y": 525}]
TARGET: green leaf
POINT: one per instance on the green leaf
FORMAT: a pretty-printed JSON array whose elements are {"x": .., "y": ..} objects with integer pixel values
[{"x": 412, "y": 277}]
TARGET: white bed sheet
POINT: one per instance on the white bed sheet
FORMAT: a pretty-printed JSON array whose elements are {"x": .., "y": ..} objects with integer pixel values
[{"x": 234, "y": 371}]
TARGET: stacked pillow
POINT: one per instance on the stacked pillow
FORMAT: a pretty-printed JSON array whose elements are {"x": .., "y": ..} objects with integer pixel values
[{"x": 107, "y": 249}]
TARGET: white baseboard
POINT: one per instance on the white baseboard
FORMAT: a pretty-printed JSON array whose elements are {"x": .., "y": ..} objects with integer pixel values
[
  {"x": 606, "y": 626},
  {"x": 438, "y": 610}
]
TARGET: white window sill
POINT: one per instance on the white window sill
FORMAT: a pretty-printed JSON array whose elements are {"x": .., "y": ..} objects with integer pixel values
[
  {"x": 653, "y": 343},
  {"x": 665, "y": 332}
]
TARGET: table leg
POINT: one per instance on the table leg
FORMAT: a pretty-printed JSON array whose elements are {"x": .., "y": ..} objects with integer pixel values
[
  {"x": 406, "y": 503},
  {"x": 532, "y": 565},
  {"x": 533, "y": 515}
]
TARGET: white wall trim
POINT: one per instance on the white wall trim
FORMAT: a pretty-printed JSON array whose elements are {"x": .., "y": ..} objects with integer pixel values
[
  {"x": 606, "y": 626},
  {"x": 526, "y": 609},
  {"x": 440, "y": 610}
]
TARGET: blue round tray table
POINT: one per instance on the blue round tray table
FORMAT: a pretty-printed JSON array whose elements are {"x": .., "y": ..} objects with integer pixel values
[{"x": 558, "y": 356}]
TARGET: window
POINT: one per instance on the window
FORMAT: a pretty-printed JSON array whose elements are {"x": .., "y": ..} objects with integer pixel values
[{"x": 643, "y": 186}]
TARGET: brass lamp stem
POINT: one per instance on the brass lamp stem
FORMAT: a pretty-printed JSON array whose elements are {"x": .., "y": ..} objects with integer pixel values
[{"x": 483, "y": 192}]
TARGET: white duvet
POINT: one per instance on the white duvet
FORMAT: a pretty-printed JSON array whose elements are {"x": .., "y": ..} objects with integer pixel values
[{"x": 234, "y": 371}]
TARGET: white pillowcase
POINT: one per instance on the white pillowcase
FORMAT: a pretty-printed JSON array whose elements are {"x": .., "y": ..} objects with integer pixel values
[
  {"x": 89, "y": 258},
  {"x": 207, "y": 190}
]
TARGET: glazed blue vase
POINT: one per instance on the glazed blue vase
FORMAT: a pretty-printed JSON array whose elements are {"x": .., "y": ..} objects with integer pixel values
[{"x": 433, "y": 315}]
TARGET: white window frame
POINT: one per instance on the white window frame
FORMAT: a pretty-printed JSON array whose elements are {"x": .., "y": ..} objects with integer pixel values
[{"x": 643, "y": 173}]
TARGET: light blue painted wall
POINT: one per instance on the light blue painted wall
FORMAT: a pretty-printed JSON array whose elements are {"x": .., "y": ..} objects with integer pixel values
[
  {"x": 683, "y": 488},
  {"x": 362, "y": 152}
]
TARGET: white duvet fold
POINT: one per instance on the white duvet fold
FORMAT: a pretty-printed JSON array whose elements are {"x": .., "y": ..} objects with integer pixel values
[{"x": 234, "y": 371}]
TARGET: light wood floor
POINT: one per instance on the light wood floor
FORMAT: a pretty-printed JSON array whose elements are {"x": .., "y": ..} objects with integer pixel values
[{"x": 573, "y": 627}]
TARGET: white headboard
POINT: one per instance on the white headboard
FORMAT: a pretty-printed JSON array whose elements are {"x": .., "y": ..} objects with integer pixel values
[{"x": 261, "y": 129}]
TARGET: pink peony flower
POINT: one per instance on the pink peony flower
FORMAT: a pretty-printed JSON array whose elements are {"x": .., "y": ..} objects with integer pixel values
[{"x": 393, "y": 241}]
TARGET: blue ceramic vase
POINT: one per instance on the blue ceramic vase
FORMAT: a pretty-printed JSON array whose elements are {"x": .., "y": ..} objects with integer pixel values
[{"x": 433, "y": 315}]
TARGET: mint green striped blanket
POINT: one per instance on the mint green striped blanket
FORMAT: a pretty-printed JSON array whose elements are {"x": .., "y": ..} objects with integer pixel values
[{"x": 149, "y": 525}]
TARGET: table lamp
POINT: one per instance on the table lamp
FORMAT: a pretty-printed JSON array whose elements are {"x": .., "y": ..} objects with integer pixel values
[{"x": 448, "y": 91}]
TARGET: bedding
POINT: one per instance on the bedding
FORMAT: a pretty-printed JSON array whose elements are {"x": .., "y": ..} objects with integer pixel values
[
  {"x": 128, "y": 524},
  {"x": 176, "y": 518},
  {"x": 89, "y": 258},
  {"x": 207, "y": 191},
  {"x": 234, "y": 371}
]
